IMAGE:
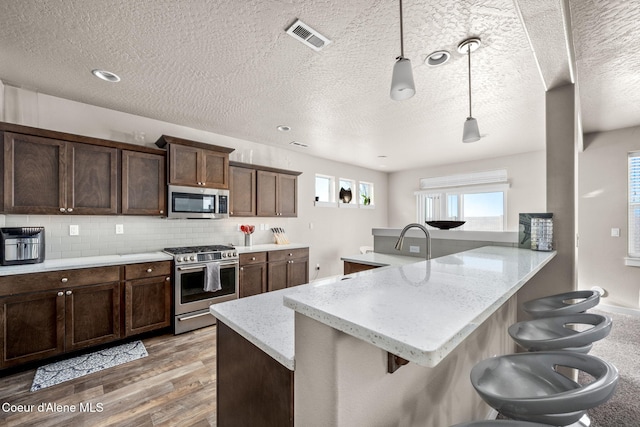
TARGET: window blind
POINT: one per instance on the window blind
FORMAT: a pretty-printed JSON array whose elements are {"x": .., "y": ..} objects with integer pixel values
[{"x": 634, "y": 204}]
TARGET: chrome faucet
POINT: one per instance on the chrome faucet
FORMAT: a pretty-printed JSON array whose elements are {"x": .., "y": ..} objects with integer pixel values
[{"x": 421, "y": 227}]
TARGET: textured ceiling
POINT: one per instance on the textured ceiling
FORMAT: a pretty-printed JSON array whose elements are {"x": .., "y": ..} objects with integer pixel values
[{"x": 229, "y": 67}]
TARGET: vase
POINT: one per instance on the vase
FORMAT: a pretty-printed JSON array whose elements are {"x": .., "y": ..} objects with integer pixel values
[{"x": 247, "y": 240}]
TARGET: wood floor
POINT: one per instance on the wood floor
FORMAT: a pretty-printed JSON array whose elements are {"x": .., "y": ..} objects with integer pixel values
[{"x": 174, "y": 386}]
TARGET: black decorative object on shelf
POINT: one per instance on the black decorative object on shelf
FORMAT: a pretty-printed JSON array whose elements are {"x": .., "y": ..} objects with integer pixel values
[
  {"x": 445, "y": 225},
  {"x": 345, "y": 195}
]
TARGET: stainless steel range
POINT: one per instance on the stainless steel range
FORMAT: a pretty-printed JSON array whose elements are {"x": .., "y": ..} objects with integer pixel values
[{"x": 193, "y": 265}]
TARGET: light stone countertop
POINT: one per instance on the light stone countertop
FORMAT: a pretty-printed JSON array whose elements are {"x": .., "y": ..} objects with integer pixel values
[
  {"x": 83, "y": 262},
  {"x": 394, "y": 308},
  {"x": 422, "y": 311}
]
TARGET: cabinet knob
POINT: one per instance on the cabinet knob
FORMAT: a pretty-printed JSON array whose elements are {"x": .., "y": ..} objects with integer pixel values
[
  {"x": 149, "y": 270},
  {"x": 60, "y": 293},
  {"x": 241, "y": 268},
  {"x": 253, "y": 258},
  {"x": 70, "y": 210},
  {"x": 290, "y": 254},
  {"x": 62, "y": 209},
  {"x": 64, "y": 280},
  {"x": 161, "y": 212},
  {"x": 167, "y": 279},
  {"x": 68, "y": 293}
]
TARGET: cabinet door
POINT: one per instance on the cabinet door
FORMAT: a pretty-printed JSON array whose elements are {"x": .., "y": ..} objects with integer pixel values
[
  {"x": 185, "y": 165},
  {"x": 242, "y": 191},
  {"x": 215, "y": 169},
  {"x": 297, "y": 272},
  {"x": 267, "y": 185},
  {"x": 92, "y": 315},
  {"x": 287, "y": 195},
  {"x": 32, "y": 327},
  {"x": 92, "y": 179},
  {"x": 34, "y": 174},
  {"x": 253, "y": 280},
  {"x": 147, "y": 304},
  {"x": 143, "y": 183},
  {"x": 277, "y": 275}
]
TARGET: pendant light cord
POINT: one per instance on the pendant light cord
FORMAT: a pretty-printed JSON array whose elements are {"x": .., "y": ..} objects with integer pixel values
[
  {"x": 469, "y": 55},
  {"x": 401, "y": 32}
]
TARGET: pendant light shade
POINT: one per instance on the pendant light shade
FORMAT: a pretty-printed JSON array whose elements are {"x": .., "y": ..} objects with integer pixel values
[
  {"x": 402, "y": 86},
  {"x": 470, "y": 132}
]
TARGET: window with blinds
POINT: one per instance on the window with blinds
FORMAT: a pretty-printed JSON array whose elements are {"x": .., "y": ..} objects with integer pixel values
[{"x": 634, "y": 204}]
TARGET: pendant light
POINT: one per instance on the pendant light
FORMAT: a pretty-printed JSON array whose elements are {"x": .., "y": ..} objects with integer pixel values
[
  {"x": 470, "y": 133},
  {"x": 402, "y": 86}
]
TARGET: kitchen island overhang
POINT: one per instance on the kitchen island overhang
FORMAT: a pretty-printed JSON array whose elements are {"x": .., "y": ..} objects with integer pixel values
[{"x": 422, "y": 311}]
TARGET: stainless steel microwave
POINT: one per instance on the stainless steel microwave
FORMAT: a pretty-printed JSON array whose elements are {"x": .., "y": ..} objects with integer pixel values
[{"x": 197, "y": 203}]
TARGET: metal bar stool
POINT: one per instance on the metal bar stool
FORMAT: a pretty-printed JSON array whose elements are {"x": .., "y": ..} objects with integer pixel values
[
  {"x": 501, "y": 423},
  {"x": 554, "y": 333},
  {"x": 527, "y": 386},
  {"x": 560, "y": 304}
]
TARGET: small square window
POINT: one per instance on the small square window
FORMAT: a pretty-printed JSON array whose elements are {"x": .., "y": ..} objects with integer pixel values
[
  {"x": 325, "y": 188},
  {"x": 347, "y": 191},
  {"x": 365, "y": 190}
]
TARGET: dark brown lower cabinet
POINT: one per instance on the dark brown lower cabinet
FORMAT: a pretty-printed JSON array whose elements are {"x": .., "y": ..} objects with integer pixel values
[
  {"x": 148, "y": 304},
  {"x": 356, "y": 267},
  {"x": 51, "y": 313},
  {"x": 92, "y": 315},
  {"x": 253, "y": 389},
  {"x": 253, "y": 274},
  {"x": 288, "y": 268},
  {"x": 32, "y": 327}
]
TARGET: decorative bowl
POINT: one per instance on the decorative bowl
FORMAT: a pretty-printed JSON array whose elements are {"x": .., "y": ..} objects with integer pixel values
[{"x": 445, "y": 225}]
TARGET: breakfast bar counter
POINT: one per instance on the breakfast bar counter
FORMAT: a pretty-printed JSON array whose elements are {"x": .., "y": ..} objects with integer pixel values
[{"x": 334, "y": 337}]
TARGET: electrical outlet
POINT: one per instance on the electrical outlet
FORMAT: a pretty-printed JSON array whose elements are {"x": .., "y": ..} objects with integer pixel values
[
  {"x": 74, "y": 230},
  {"x": 317, "y": 266},
  {"x": 414, "y": 249},
  {"x": 615, "y": 232},
  {"x": 119, "y": 228}
]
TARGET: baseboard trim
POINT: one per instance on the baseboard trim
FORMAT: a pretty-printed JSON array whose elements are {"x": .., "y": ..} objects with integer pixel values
[{"x": 617, "y": 309}]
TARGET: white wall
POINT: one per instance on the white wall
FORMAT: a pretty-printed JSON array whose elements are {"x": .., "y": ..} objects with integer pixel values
[
  {"x": 526, "y": 174},
  {"x": 331, "y": 232},
  {"x": 602, "y": 196}
]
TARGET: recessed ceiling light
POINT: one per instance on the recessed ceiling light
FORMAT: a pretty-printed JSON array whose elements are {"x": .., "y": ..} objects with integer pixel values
[
  {"x": 283, "y": 128},
  {"x": 436, "y": 58},
  {"x": 106, "y": 75}
]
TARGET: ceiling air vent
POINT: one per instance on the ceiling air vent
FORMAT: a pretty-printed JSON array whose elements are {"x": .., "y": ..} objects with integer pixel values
[
  {"x": 298, "y": 144},
  {"x": 307, "y": 35}
]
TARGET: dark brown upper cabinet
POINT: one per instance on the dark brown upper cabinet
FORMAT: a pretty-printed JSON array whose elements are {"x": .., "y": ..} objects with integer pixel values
[
  {"x": 242, "y": 191},
  {"x": 48, "y": 176},
  {"x": 143, "y": 183},
  {"x": 196, "y": 164},
  {"x": 277, "y": 194},
  {"x": 263, "y": 191},
  {"x": 48, "y": 172}
]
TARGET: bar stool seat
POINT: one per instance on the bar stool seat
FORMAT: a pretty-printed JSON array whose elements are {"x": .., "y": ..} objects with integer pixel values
[
  {"x": 501, "y": 423},
  {"x": 561, "y": 304},
  {"x": 553, "y": 333},
  {"x": 527, "y": 387}
]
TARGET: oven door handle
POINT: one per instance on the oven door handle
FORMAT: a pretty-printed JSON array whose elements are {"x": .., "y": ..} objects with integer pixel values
[{"x": 200, "y": 267}]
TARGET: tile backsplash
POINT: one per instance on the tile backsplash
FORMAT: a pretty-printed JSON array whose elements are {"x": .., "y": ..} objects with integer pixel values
[{"x": 97, "y": 234}]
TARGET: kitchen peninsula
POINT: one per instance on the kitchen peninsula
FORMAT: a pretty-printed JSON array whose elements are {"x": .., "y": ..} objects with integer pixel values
[{"x": 329, "y": 342}]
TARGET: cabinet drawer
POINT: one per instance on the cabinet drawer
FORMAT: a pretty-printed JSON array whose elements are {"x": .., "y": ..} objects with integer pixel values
[
  {"x": 147, "y": 269},
  {"x": 253, "y": 258},
  {"x": 288, "y": 254},
  {"x": 62, "y": 279}
]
